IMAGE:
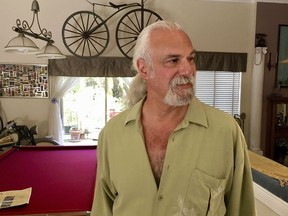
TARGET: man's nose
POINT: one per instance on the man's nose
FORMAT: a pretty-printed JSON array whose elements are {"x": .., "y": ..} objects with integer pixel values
[{"x": 187, "y": 67}]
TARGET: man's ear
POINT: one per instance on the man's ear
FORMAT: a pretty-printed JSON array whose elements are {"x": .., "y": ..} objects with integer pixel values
[{"x": 142, "y": 68}]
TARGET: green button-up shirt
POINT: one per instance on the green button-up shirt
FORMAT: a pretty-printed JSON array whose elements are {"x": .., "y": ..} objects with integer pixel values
[{"x": 206, "y": 169}]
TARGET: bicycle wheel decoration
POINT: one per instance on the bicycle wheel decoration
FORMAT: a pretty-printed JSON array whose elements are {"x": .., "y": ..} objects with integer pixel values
[
  {"x": 85, "y": 34},
  {"x": 129, "y": 27}
]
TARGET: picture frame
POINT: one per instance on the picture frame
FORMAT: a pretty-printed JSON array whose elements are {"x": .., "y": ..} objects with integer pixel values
[
  {"x": 282, "y": 59},
  {"x": 24, "y": 80}
]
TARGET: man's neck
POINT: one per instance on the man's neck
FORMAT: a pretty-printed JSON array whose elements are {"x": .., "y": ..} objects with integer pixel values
[{"x": 156, "y": 111}]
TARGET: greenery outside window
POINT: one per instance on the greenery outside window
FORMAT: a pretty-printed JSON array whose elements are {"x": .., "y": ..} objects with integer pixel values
[{"x": 92, "y": 102}]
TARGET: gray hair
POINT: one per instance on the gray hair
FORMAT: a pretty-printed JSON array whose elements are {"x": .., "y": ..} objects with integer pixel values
[
  {"x": 141, "y": 49},
  {"x": 136, "y": 91},
  {"x": 137, "y": 88}
]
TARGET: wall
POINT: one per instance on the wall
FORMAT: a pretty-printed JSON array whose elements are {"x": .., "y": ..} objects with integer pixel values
[
  {"x": 212, "y": 25},
  {"x": 269, "y": 16}
]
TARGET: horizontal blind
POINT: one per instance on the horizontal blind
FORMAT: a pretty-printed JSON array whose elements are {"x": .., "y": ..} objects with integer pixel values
[{"x": 219, "y": 89}]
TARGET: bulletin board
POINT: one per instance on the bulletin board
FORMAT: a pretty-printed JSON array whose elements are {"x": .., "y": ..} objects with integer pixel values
[{"x": 18, "y": 80}]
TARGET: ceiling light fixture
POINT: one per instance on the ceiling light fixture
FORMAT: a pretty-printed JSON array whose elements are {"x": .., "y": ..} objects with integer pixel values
[{"x": 24, "y": 45}]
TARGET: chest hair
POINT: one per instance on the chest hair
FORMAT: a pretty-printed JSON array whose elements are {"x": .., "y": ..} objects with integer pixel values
[{"x": 156, "y": 140}]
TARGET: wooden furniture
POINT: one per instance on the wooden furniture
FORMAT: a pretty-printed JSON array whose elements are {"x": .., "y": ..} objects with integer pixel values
[
  {"x": 276, "y": 147},
  {"x": 270, "y": 183}
]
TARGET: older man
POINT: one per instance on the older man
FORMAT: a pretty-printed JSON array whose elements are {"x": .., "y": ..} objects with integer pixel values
[{"x": 169, "y": 154}]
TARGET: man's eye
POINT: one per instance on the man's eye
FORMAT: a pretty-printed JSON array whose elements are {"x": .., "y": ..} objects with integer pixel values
[
  {"x": 175, "y": 60},
  {"x": 191, "y": 59}
]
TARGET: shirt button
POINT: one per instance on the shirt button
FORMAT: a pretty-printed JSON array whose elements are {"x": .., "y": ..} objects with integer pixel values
[{"x": 160, "y": 197}]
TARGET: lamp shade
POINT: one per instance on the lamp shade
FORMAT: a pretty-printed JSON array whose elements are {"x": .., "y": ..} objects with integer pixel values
[
  {"x": 50, "y": 52},
  {"x": 21, "y": 44}
]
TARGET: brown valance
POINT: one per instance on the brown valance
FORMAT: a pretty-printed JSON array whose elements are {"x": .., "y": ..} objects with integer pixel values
[
  {"x": 121, "y": 66},
  {"x": 91, "y": 67},
  {"x": 221, "y": 61}
]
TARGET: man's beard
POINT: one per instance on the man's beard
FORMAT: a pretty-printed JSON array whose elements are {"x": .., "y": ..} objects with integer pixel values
[{"x": 173, "y": 98}]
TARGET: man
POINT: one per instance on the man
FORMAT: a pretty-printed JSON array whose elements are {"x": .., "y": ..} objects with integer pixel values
[{"x": 170, "y": 154}]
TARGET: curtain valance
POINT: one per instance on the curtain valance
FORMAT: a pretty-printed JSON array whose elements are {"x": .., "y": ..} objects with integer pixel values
[
  {"x": 121, "y": 66},
  {"x": 221, "y": 61},
  {"x": 92, "y": 67}
]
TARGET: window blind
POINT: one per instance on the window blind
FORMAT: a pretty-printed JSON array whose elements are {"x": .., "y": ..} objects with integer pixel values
[{"x": 219, "y": 89}]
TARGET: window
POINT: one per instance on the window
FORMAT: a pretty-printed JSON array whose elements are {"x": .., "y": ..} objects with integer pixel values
[
  {"x": 219, "y": 89},
  {"x": 91, "y": 103},
  {"x": 94, "y": 100}
]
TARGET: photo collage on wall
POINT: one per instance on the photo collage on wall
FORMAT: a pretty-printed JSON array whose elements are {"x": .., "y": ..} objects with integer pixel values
[{"x": 24, "y": 81}]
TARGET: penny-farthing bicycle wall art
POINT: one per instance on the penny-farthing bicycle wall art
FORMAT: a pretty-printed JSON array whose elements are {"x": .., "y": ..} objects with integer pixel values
[{"x": 86, "y": 34}]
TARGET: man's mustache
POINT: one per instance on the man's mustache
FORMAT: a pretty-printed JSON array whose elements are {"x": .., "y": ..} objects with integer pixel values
[{"x": 180, "y": 80}]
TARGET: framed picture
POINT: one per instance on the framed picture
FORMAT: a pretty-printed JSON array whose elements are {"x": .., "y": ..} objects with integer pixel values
[
  {"x": 24, "y": 81},
  {"x": 282, "y": 60}
]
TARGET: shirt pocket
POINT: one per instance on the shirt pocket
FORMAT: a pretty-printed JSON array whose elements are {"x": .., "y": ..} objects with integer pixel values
[{"x": 205, "y": 195}]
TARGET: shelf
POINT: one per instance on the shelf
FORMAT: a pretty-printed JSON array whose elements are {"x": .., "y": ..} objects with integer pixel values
[{"x": 276, "y": 136}]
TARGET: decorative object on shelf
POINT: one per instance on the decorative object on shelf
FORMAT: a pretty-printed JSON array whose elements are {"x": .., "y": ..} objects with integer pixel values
[
  {"x": 24, "y": 45},
  {"x": 24, "y": 81},
  {"x": 281, "y": 149},
  {"x": 75, "y": 134},
  {"x": 260, "y": 40},
  {"x": 279, "y": 118},
  {"x": 260, "y": 53},
  {"x": 261, "y": 47},
  {"x": 282, "y": 63},
  {"x": 276, "y": 144}
]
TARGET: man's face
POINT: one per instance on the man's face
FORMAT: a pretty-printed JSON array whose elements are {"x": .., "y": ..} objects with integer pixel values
[{"x": 171, "y": 76}]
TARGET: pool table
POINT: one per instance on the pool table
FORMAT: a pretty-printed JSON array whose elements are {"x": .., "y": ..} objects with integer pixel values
[{"x": 62, "y": 179}]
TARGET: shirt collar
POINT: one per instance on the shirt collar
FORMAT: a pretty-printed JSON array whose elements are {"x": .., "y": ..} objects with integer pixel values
[
  {"x": 135, "y": 113},
  {"x": 195, "y": 114}
]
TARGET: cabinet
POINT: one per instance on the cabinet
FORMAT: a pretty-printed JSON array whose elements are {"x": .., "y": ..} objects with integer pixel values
[{"x": 276, "y": 146}]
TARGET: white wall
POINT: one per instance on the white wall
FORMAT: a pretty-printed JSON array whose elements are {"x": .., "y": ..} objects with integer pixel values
[
  {"x": 268, "y": 204},
  {"x": 212, "y": 26}
]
